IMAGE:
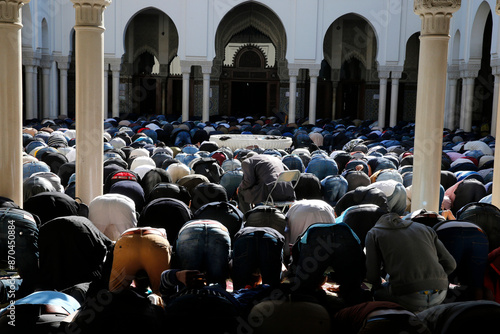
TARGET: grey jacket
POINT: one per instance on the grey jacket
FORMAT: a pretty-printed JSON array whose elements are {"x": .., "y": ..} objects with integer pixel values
[
  {"x": 410, "y": 253},
  {"x": 259, "y": 174}
]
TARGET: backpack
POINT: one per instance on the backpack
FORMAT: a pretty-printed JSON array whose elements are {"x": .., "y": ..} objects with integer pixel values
[
  {"x": 225, "y": 213},
  {"x": 208, "y": 167},
  {"x": 266, "y": 216}
]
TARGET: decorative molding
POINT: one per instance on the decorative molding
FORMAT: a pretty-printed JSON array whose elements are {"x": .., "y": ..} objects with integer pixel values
[
  {"x": 436, "y": 15},
  {"x": 396, "y": 75},
  {"x": 384, "y": 72},
  {"x": 10, "y": 11},
  {"x": 314, "y": 72},
  {"x": 469, "y": 71},
  {"x": 293, "y": 72},
  {"x": 31, "y": 58},
  {"x": 90, "y": 12},
  {"x": 46, "y": 62},
  {"x": 63, "y": 62},
  {"x": 453, "y": 72}
]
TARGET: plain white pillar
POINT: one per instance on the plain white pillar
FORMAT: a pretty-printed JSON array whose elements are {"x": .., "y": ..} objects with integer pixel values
[
  {"x": 313, "y": 93},
  {"x": 292, "y": 99},
  {"x": 452, "y": 85},
  {"x": 395, "y": 76},
  {"x": 106, "y": 91},
  {"x": 116, "y": 94},
  {"x": 206, "y": 71},
  {"x": 494, "y": 112},
  {"x": 382, "y": 98},
  {"x": 206, "y": 97},
  {"x": 63, "y": 66},
  {"x": 28, "y": 89},
  {"x": 185, "y": 96},
  {"x": 89, "y": 64},
  {"x": 431, "y": 95},
  {"x": 292, "y": 96},
  {"x": 46, "y": 91},
  {"x": 469, "y": 104},
  {"x": 495, "y": 198},
  {"x": 11, "y": 100}
]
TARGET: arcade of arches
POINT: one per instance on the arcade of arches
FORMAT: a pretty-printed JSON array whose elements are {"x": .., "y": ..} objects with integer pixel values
[{"x": 249, "y": 60}]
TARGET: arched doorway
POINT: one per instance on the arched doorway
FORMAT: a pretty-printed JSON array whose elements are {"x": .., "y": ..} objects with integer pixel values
[
  {"x": 349, "y": 49},
  {"x": 408, "y": 83},
  {"x": 250, "y": 62},
  {"x": 484, "y": 83},
  {"x": 151, "y": 42},
  {"x": 252, "y": 86},
  {"x": 352, "y": 88}
]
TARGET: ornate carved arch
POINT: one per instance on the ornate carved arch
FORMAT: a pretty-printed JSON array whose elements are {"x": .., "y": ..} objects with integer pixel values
[{"x": 261, "y": 19}]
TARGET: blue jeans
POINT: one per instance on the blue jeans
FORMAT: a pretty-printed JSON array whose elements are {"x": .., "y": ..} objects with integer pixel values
[
  {"x": 205, "y": 245},
  {"x": 469, "y": 248},
  {"x": 415, "y": 302},
  {"x": 257, "y": 249}
]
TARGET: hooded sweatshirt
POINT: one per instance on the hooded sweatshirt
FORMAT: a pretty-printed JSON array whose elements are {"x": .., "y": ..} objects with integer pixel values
[{"x": 410, "y": 253}]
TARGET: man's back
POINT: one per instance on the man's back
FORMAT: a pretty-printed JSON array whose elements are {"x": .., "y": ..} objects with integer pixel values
[
  {"x": 259, "y": 174},
  {"x": 410, "y": 253}
]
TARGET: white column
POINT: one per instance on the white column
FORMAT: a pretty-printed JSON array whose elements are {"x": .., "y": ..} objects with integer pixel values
[
  {"x": 115, "y": 104},
  {"x": 313, "y": 93},
  {"x": 11, "y": 99},
  {"x": 469, "y": 104},
  {"x": 89, "y": 61},
  {"x": 206, "y": 70},
  {"x": 469, "y": 73},
  {"x": 451, "y": 106},
  {"x": 35, "y": 90},
  {"x": 46, "y": 66},
  {"x": 494, "y": 112},
  {"x": 395, "y": 76},
  {"x": 495, "y": 198},
  {"x": 105, "y": 90},
  {"x": 431, "y": 94},
  {"x": 292, "y": 96},
  {"x": 54, "y": 91},
  {"x": 186, "y": 74},
  {"x": 383, "y": 75},
  {"x": 28, "y": 88},
  {"x": 63, "y": 66}
]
